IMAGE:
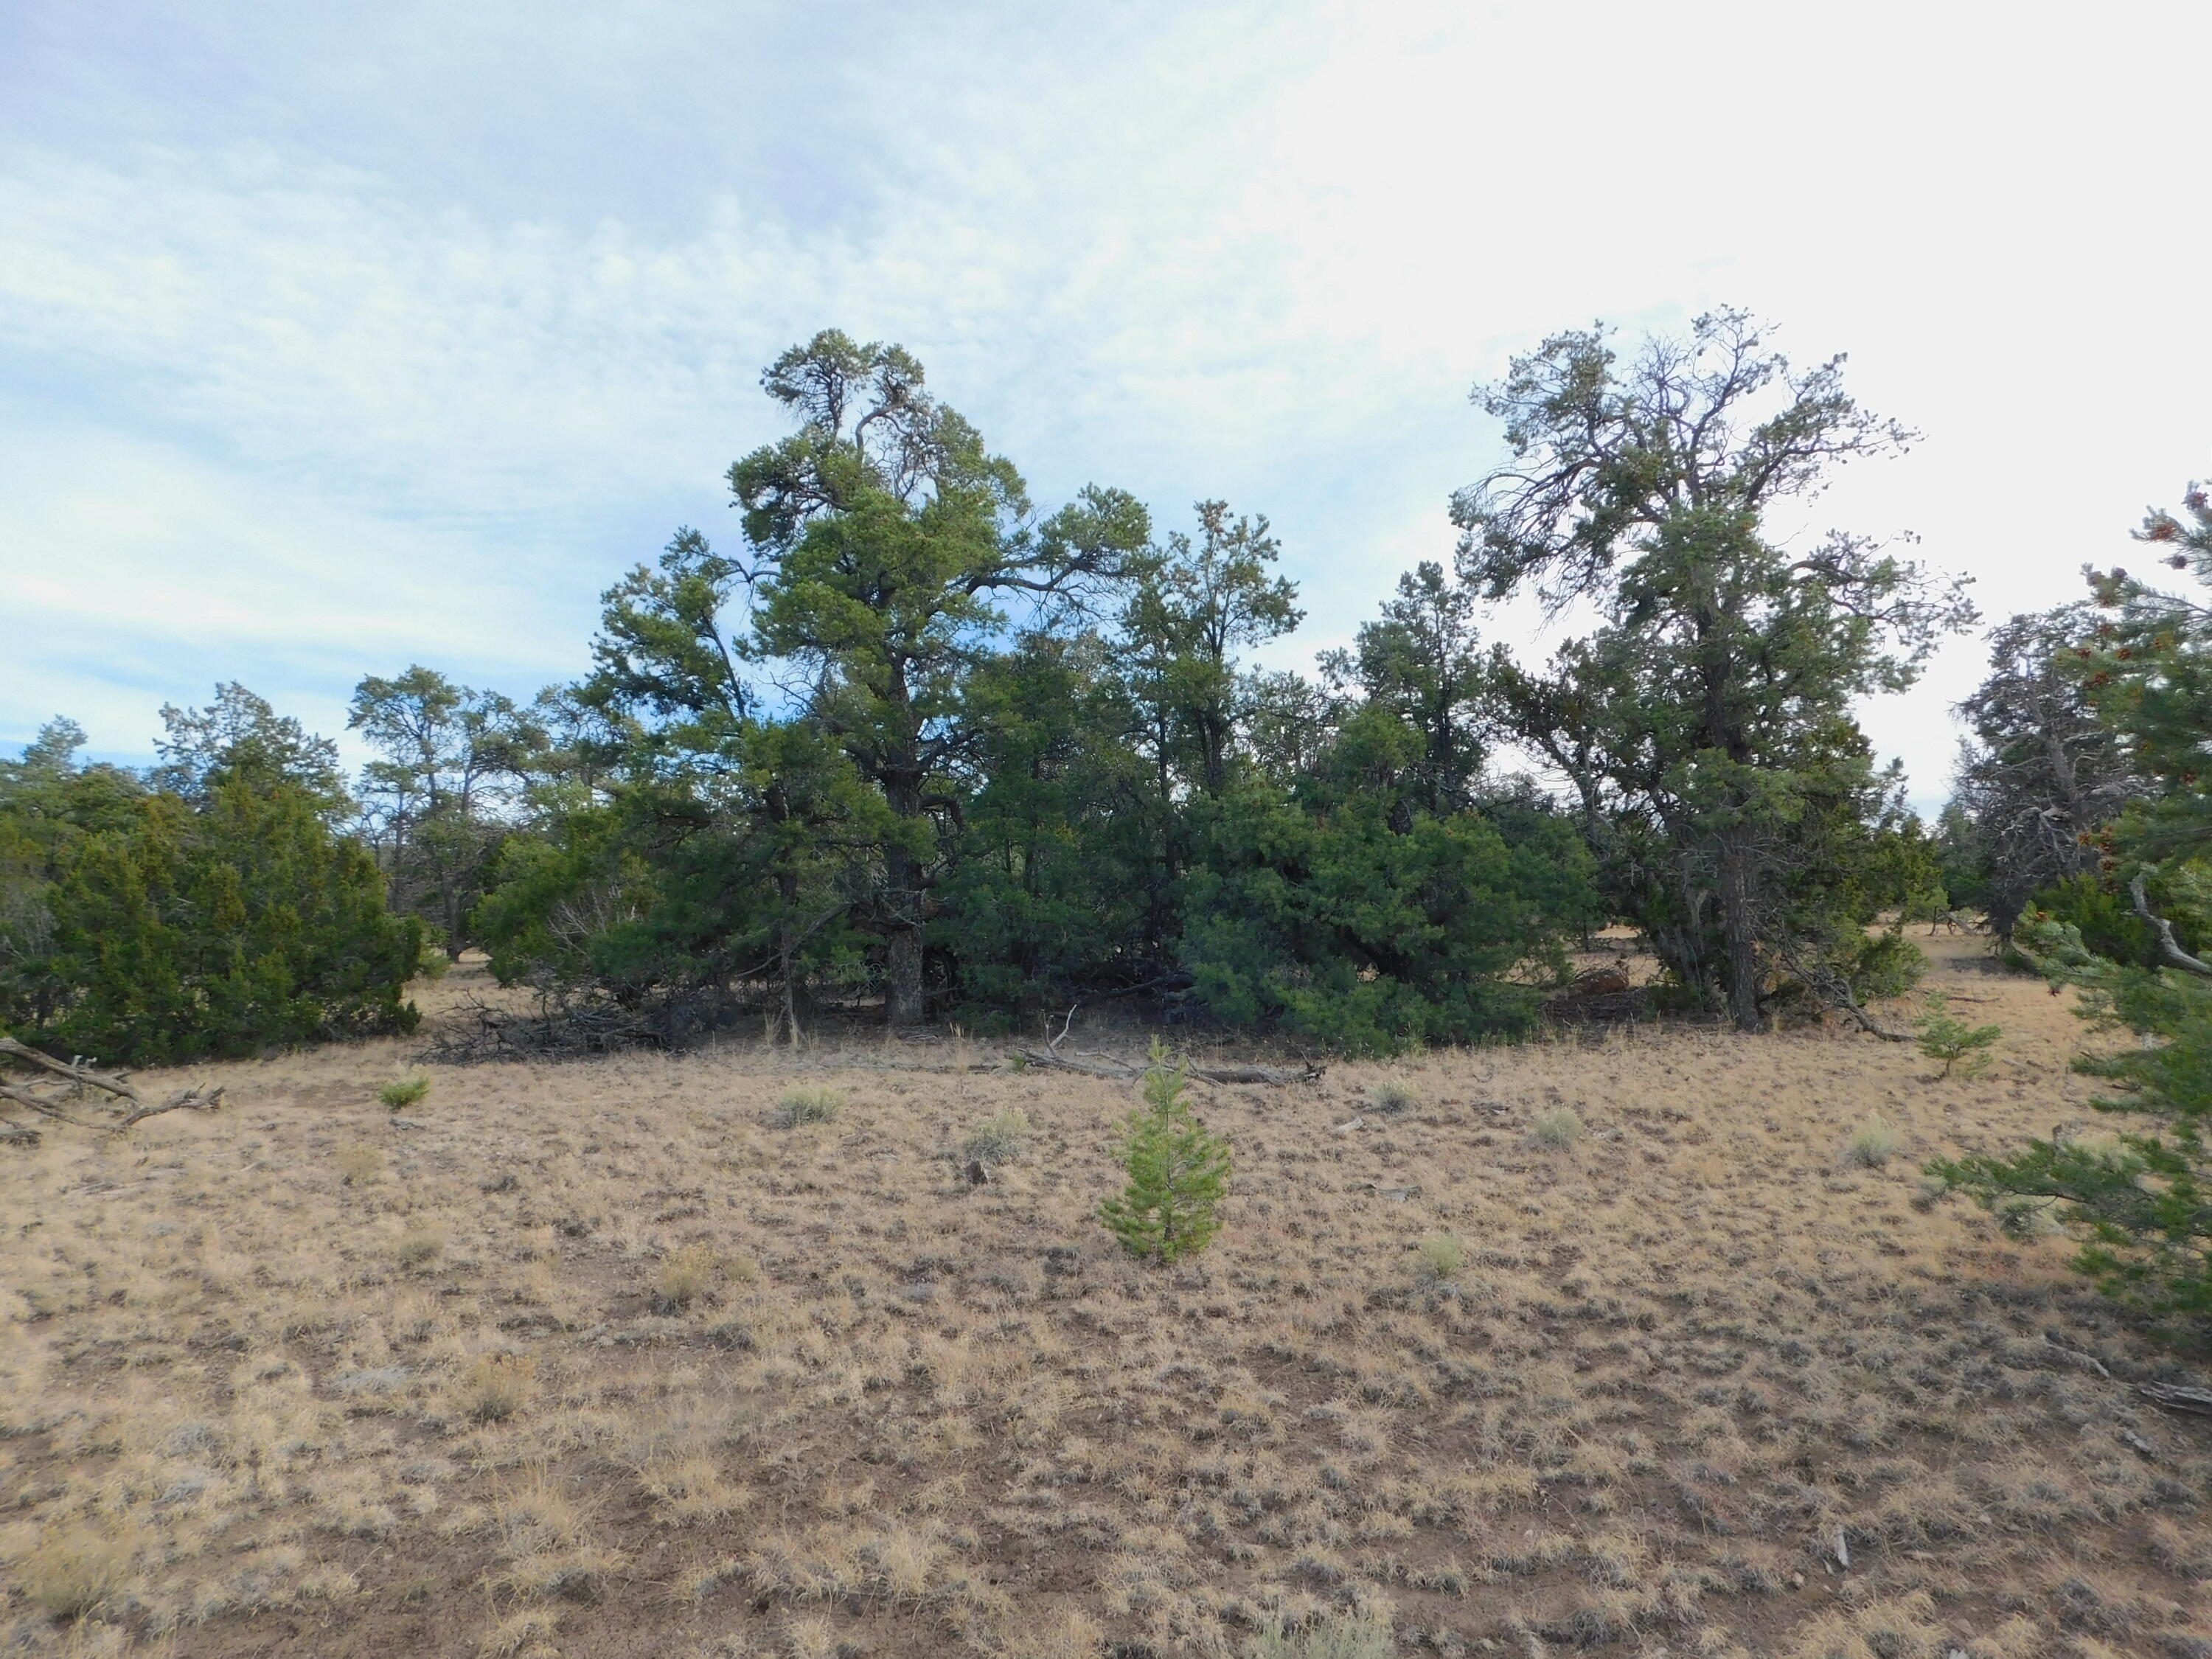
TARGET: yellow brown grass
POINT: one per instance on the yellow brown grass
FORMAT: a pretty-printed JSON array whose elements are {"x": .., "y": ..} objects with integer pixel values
[{"x": 677, "y": 1379}]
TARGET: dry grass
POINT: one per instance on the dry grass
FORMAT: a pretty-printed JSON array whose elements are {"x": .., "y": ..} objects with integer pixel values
[{"x": 678, "y": 1382}]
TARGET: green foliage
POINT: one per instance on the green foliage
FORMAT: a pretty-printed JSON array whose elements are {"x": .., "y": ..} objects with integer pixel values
[
  {"x": 1945, "y": 1037},
  {"x": 1707, "y": 724},
  {"x": 442, "y": 793},
  {"x": 2040, "y": 777},
  {"x": 1370, "y": 924},
  {"x": 2106, "y": 922},
  {"x": 1392, "y": 1096},
  {"x": 164, "y": 929},
  {"x": 403, "y": 1093},
  {"x": 1178, "y": 1173}
]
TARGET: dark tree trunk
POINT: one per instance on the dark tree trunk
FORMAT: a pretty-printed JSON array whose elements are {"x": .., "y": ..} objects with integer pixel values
[
  {"x": 902, "y": 1000},
  {"x": 1739, "y": 926}
]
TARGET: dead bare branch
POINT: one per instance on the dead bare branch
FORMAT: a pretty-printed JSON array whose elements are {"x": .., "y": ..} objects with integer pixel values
[
  {"x": 198, "y": 1099},
  {"x": 78, "y": 1070},
  {"x": 2169, "y": 946}
]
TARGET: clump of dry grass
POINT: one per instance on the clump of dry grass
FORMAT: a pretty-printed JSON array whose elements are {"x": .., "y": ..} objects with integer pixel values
[
  {"x": 497, "y": 1386},
  {"x": 1392, "y": 1096},
  {"x": 804, "y": 1106},
  {"x": 1872, "y": 1144},
  {"x": 420, "y": 1246},
  {"x": 74, "y": 1572},
  {"x": 1001, "y": 1138},
  {"x": 1555, "y": 1128},
  {"x": 687, "y": 1276},
  {"x": 1337, "y": 1635},
  {"x": 359, "y": 1164}
]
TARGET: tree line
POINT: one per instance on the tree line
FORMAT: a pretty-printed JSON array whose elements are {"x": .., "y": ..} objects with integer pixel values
[{"x": 917, "y": 746}]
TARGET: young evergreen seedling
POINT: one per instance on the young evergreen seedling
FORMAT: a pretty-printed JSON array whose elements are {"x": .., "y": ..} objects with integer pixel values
[
  {"x": 1178, "y": 1172},
  {"x": 1946, "y": 1037}
]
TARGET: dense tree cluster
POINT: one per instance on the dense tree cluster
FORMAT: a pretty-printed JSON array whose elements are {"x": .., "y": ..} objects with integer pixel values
[{"x": 920, "y": 747}]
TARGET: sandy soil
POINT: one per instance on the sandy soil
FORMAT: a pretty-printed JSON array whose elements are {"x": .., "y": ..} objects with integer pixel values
[{"x": 593, "y": 1359}]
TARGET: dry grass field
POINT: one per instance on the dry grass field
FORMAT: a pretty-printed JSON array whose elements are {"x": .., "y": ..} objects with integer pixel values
[{"x": 1608, "y": 1343}]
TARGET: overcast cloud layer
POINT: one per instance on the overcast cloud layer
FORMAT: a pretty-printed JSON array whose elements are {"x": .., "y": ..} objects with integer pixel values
[{"x": 333, "y": 339}]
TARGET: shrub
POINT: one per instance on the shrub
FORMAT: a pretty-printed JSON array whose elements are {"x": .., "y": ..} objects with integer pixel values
[
  {"x": 2102, "y": 916},
  {"x": 359, "y": 1164},
  {"x": 1439, "y": 1256},
  {"x": 1391, "y": 1096},
  {"x": 1178, "y": 1173},
  {"x": 801, "y": 1106},
  {"x": 686, "y": 1276},
  {"x": 197, "y": 930},
  {"x": 1872, "y": 1144},
  {"x": 1946, "y": 1037},
  {"x": 1002, "y": 1137},
  {"x": 498, "y": 1385},
  {"x": 1339, "y": 1636},
  {"x": 404, "y": 1092},
  {"x": 1367, "y": 923},
  {"x": 423, "y": 1244},
  {"x": 1556, "y": 1128}
]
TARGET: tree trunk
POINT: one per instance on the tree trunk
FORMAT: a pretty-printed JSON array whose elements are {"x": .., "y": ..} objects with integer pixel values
[
  {"x": 1739, "y": 924},
  {"x": 903, "y": 1001}
]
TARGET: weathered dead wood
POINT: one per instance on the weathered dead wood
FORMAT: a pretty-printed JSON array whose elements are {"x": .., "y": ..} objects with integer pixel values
[
  {"x": 76, "y": 1071},
  {"x": 2169, "y": 946},
  {"x": 2178, "y": 1397},
  {"x": 198, "y": 1099},
  {"x": 2075, "y": 1357},
  {"x": 44, "y": 1107},
  {"x": 79, "y": 1077},
  {"x": 1121, "y": 1070}
]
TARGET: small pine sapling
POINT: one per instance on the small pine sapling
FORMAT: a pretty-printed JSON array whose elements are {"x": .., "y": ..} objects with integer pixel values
[
  {"x": 1946, "y": 1037},
  {"x": 1178, "y": 1173}
]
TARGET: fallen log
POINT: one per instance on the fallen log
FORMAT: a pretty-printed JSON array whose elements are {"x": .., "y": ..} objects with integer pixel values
[
  {"x": 2178, "y": 1397},
  {"x": 1121, "y": 1070},
  {"x": 76, "y": 1071},
  {"x": 78, "y": 1077}
]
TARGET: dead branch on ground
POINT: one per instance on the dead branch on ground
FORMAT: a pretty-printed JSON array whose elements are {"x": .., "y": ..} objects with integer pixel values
[{"x": 60, "y": 1083}]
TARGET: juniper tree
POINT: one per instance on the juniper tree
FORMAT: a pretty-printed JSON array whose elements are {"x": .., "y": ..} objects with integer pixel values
[{"x": 1706, "y": 724}]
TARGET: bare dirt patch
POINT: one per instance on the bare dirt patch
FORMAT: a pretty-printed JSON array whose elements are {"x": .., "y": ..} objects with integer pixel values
[{"x": 595, "y": 1359}]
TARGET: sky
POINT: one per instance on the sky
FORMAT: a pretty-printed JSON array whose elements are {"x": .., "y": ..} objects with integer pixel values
[{"x": 335, "y": 338}]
